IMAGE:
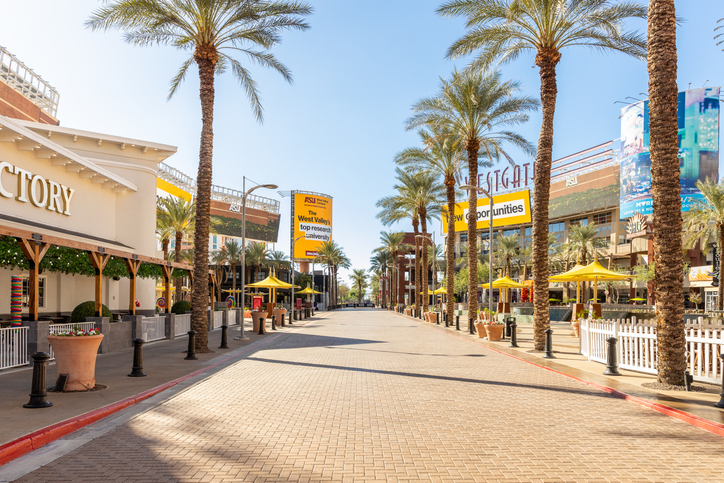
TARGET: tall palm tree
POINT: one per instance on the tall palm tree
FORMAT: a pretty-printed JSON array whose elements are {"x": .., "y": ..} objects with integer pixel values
[
  {"x": 477, "y": 109},
  {"x": 179, "y": 215},
  {"x": 443, "y": 155},
  {"x": 392, "y": 243},
  {"x": 333, "y": 257},
  {"x": 218, "y": 259},
  {"x": 502, "y": 30},
  {"x": 164, "y": 234},
  {"x": 359, "y": 278},
  {"x": 232, "y": 250},
  {"x": 278, "y": 260},
  {"x": 209, "y": 29},
  {"x": 256, "y": 255},
  {"x": 705, "y": 222},
  {"x": 666, "y": 189},
  {"x": 584, "y": 242},
  {"x": 379, "y": 264}
]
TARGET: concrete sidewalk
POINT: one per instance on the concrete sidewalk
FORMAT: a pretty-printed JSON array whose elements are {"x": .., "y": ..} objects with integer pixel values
[
  {"x": 163, "y": 362},
  {"x": 569, "y": 361}
]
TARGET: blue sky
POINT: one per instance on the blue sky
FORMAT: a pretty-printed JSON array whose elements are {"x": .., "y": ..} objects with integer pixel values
[{"x": 336, "y": 130}]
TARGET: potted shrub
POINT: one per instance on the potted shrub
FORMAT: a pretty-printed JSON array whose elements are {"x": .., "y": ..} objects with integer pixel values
[
  {"x": 181, "y": 307},
  {"x": 494, "y": 328},
  {"x": 256, "y": 317},
  {"x": 75, "y": 354},
  {"x": 87, "y": 309}
]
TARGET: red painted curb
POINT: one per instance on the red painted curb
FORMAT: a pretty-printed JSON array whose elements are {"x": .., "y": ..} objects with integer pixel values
[
  {"x": 699, "y": 422},
  {"x": 30, "y": 442}
]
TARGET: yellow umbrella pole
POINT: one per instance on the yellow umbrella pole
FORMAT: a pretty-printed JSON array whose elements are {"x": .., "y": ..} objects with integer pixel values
[{"x": 578, "y": 292}]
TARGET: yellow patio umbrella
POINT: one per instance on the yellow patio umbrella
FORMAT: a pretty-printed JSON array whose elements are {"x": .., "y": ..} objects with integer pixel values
[
  {"x": 561, "y": 277},
  {"x": 441, "y": 291},
  {"x": 503, "y": 283},
  {"x": 308, "y": 291},
  {"x": 273, "y": 284},
  {"x": 592, "y": 272}
]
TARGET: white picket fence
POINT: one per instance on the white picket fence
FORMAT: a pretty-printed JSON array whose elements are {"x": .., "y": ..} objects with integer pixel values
[
  {"x": 232, "y": 317},
  {"x": 60, "y": 328},
  {"x": 637, "y": 345},
  {"x": 153, "y": 328},
  {"x": 13, "y": 347},
  {"x": 218, "y": 319},
  {"x": 183, "y": 325}
]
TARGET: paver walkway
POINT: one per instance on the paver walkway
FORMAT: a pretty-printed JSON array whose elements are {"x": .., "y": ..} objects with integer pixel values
[{"x": 371, "y": 396}]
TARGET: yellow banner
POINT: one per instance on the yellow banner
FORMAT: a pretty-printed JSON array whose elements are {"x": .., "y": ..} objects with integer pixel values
[
  {"x": 312, "y": 219},
  {"x": 508, "y": 209}
]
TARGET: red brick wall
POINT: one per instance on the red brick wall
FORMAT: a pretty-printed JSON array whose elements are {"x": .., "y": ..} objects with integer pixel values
[{"x": 15, "y": 105}]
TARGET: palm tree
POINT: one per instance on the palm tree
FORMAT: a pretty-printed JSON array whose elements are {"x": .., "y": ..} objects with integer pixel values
[
  {"x": 502, "y": 30},
  {"x": 444, "y": 156},
  {"x": 476, "y": 109},
  {"x": 218, "y": 259},
  {"x": 333, "y": 256},
  {"x": 378, "y": 265},
  {"x": 359, "y": 278},
  {"x": 392, "y": 243},
  {"x": 208, "y": 28},
  {"x": 704, "y": 222},
  {"x": 178, "y": 215},
  {"x": 256, "y": 255},
  {"x": 278, "y": 260},
  {"x": 164, "y": 233},
  {"x": 232, "y": 250},
  {"x": 584, "y": 242}
]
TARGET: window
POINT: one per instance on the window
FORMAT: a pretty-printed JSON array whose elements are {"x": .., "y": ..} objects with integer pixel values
[
  {"x": 528, "y": 236},
  {"x": 528, "y": 231},
  {"x": 214, "y": 243},
  {"x": 515, "y": 232},
  {"x": 602, "y": 218},
  {"x": 463, "y": 238},
  {"x": 41, "y": 292},
  {"x": 622, "y": 235},
  {"x": 557, "y": 229},
  {"x": 578, "y": 222}
]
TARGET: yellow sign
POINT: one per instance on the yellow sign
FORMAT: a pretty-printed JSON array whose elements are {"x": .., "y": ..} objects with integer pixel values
[
  {"x": 165, "y": 186},
  {"x": 508, "y": 209},
  {"x": 312, "y": 220}
]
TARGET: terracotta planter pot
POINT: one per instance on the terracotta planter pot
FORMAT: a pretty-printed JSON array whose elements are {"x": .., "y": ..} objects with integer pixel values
[
  {"x": 247, "y": 314},
  {"x": 256, "y": 317},
  {"x": 433, "y": 317},
  {"x": 408, "y": 311},
  {"x": 480, "y": 327},
  {"x": 576, "y": 327},
  {"x": 278, "y": 314},
  {"x": 76, "y": 356},
  {"x": 495, "y": 332}
]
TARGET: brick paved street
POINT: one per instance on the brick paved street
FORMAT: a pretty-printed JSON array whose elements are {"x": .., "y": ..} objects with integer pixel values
[{"x": 368, "y": 395}]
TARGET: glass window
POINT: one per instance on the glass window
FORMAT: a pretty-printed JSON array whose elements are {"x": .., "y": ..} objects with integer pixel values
[
  {"x": 528, "y": 231},
  {"x": 602, "y": 218},
  {"x": 557, "y": 229},
  {"x": 578, "y": 222},
  {"x": 463, "y": 238},
  {"x": 515, "y": 232},
  {"x": 41, "y": 291}
]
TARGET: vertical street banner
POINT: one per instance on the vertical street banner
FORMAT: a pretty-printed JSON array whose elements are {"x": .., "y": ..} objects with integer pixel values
[{"x": 311, "y": 220}]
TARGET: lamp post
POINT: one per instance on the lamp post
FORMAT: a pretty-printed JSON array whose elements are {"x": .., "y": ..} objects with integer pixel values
[
  {"x": 490, "y": 250},
  {"x": 410, "y": 263},
  {"x": 243, "y": 247},
  {"x": 291, "y": 303}
]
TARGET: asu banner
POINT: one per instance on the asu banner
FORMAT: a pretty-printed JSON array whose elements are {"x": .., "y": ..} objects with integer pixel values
[
  {"x": 508, "y": 209},
  {"x": 312, "y": 220}
]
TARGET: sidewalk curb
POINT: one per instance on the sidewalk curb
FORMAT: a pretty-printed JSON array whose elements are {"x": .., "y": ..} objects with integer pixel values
[
  {"x": 699, "y": 422},
  {"x": 33, "y": 441}
]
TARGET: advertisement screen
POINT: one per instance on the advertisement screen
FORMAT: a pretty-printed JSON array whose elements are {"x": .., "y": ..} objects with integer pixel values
[
  {"x": 508, "y": 209},
  {"x": 312, "y": 220},
  {"x": 260, "y": 225},
  {"x": 698, "y": 118}
]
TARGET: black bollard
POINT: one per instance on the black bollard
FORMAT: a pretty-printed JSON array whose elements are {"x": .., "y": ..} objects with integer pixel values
[
  {"x": 509, "y": 321},
  {"x": 611, "y": 359},
  {"x": 513, "y": 334},
  {"x": 282, "y": 320},
  {"x": 549, "y": 345},
  {"x": 457, "y": 322},
  {"x": 720, "y": 404},
  {"x": 137, "y": 369},
  {"x": 224, "y": 335},
  {"x": 295, "y": 316},
  {"x": 38, "y": 391},
  {"x": 444, "y": 318},
  {"x": 274, "y": 322},
  {"x": 471, "y": 325},
  {"x": 191, "y": 352},
  {"x": 688, "y": 379},
  {"x": 437, "y": 318},
  {"x": 262, "y": 326}
]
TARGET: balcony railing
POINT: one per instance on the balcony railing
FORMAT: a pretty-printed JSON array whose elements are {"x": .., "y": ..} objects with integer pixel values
[{"x": 18, "y": 76}]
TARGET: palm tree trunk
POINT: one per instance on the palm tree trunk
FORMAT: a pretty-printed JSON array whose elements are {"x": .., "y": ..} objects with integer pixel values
[
  {"x": 450, "y": 269},
  {"x": 177, "y": 283},
  {"x": 206, "y": 61},
  {"x": 668, "y": 255},
  {"x": 425, "y": 297},
  {"x": 164, "y": 247},
  {"x": 720, "y": 299},
  {"x": 416, "y": 292},
  {"x": 546, "y": 60},
  {"x": 472, "y": 146},
  {"x": 233, "y": 281}
]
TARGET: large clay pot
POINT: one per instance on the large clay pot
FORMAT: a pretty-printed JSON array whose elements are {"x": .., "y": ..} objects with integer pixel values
[
  {"x": 76, "y": 356},
  {"x": 480, "y": 327},
  {"x": 247, "y": 314},
  {"x": 495, "y": 332},
  {"x": 576, "y": 328},
  {"x": 408, "y": 312},
  {"x": 255, "y": 318},
  {"x": 433, "y": 318},
  {"x": 278, "y": 316}
]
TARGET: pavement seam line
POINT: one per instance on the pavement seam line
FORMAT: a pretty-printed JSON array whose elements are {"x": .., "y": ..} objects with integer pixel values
[
  {"x": 699, "y": 422},
  {"x": 37, "y": 439}
]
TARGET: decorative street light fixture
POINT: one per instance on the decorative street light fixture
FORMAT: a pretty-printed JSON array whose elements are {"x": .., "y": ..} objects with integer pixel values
[
  {"x": 243, "y": 247},
  {"x": 471, "y": 330}
]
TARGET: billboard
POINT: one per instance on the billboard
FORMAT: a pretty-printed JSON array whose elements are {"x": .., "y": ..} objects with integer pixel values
[
  {"x": 312, "y": 220},
  {"x": 698, "y": 118},
  {"x": 260, "y": 225},
  {"x": 508, "y": 209},
  {"x": 580, "y": 193}
]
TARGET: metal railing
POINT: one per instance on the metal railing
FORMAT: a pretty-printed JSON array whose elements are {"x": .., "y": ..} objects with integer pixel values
[
  {"x": 183, "y": 325},
  {"x": 13, "y": 347},
  {"x": 22, "y": 79},
  {"x": 153, "y": 328},
  {"x": 231, "y": 318},
  {"x": 218, "y": 319}
]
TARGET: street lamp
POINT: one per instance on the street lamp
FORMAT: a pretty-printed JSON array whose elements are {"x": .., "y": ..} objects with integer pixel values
[
  {"x": 490, "y": 251},
  {"x": 243, "y": 247},
  {"x": 291, "y": 303}
]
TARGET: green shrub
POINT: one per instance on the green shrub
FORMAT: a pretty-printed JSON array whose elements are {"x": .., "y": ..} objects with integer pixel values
[
  {"x": 181, "y": 307},
  {"x": 87, "y": 309}
]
